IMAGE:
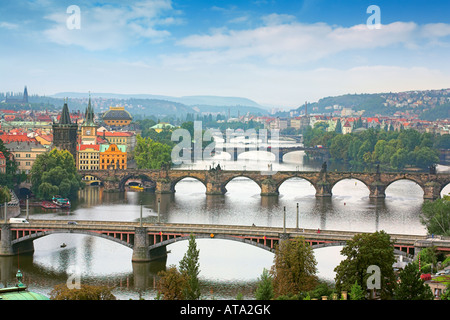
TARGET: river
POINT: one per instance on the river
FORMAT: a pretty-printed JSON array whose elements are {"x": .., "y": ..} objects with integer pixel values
[{"x": 227, "y": 268}]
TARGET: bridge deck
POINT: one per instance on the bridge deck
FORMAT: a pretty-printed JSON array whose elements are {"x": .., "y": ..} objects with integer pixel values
[{"x": 232, "y": 230}]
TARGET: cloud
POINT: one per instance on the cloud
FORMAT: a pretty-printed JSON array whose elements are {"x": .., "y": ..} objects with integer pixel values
[
  {"x": 282, "y": 41},
  {"x": 8, "y": 25},
  {"x": 114, "y": 27},
  {"x": 277, "y": 19}
]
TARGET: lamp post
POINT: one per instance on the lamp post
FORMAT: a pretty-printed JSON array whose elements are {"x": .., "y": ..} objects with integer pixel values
[
  {"x": 159, "y": 206},
  {"x": 140, "y": 218}
]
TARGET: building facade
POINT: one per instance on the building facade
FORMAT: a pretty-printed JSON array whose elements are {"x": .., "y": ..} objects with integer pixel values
[
  {"x": 88, "y": 157},
  {"x": 25, "y": 153},
  {"x": 113, "y": 156},
  {"x": 2, "y": 163}
]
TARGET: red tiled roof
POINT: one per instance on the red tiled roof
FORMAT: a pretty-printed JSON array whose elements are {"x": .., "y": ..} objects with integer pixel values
[
  {"x": 7, "y": 138},
  {"x": 115, "y": 134},
  {"x": 82, "y": 147}
]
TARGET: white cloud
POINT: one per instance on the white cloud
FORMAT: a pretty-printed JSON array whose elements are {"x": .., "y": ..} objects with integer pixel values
[
  {"x": 111, "y": 27},
  {"x": 281, "y": 43},
  {"x": 8, "y": 25},
  {"x": 276, "y": 19}
]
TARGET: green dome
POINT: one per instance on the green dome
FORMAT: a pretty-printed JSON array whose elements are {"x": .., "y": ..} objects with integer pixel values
[{"x": 20, "y": 294}]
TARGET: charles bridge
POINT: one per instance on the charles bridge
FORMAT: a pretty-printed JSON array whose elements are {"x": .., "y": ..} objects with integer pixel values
[{"x": 216, "y": 179}]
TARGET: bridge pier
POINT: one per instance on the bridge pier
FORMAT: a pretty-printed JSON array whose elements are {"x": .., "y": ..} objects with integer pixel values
[
  {"x": 323, "y": 189},
  {"x": 7, "y": 248},
  {"x": 140, "y": 247},
  {"x": 141, "y": 251},
  {"x": 215, "y": 188},
  {"x": 431, "y": 191},
  {"x": 164, "y": 185},
  {"x": 110, "y": 185},
  {"x": 377, "y": 190},
  {"x": 269, "y": 187}
]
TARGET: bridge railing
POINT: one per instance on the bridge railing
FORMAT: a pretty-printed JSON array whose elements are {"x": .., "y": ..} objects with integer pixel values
[{"x": 202, "y": 228}]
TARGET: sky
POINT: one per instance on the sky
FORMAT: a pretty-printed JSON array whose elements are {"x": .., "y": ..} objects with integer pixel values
[{"x": 277, "y": 53}]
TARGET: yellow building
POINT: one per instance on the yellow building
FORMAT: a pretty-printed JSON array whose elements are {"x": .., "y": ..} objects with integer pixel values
[
  {"x": 88, "y": 157},
  {"x": 25, "y": 153},
  {"x": 117, "y": 117},
  {"x": 113, "y": 156},
  {"x": 127, "y": 139}
]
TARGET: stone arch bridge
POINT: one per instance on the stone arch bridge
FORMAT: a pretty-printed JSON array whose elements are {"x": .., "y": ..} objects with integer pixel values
[{"x": 215, "y": 180}]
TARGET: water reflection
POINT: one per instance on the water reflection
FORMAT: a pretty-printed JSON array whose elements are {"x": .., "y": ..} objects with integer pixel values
[{"x": 222, "y": 262}]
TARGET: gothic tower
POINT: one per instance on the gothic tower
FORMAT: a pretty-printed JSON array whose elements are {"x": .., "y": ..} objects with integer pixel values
[
  {"x": 25, "y": 95},
  {"x": 89, "y": 128},
  {"x": 65, "y": 132}
]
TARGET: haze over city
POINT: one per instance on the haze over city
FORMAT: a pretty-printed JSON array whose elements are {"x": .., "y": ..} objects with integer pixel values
[{"x": 277, "y": 53}]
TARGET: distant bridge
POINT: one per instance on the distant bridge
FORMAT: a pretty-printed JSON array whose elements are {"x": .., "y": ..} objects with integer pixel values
[
  {"x": 279, "y": 152},
  {"x": 215, "y": 180},
  {"x": 149, "y": 241}
]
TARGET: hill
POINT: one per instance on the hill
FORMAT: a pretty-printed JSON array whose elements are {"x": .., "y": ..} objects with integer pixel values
[{"x": 426, "y": 104}]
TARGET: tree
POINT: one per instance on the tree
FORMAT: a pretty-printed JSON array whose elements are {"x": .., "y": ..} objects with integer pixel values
[
  {"x": 189, "y": 267},
  {"x": 264, "y": 291},
  {"x": 86, "y": 292},
  {"x": 399, "y": 159},
  {"x": 55, "y": 172},
  {"x": 5, "y": 195},
  {"x": 446, "y": 294},
  {"x": 338, "y": 128},
  {"x": 411, "y": 286},
  {"x": 356, "y": 292},
  {"x": 294, "y": 268},
  {"x": 150, "y": 154},
  {"x": 436, "y": 216},
  {"x": 171, "y": 284},
  {"x": 362, "y": 251},
  {"x": 425, "y": 156}
]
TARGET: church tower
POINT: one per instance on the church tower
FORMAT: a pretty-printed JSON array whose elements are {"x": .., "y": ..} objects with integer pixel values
[
  {"x": 89, "y": 128},
  {"x": 65, "y": 132},
  {"x": 25, "y": 95}
]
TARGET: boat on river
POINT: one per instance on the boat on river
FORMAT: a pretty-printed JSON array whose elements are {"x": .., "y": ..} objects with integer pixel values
[
  {"x": 49, "y": 205},
  {"x": 61, "y": 202},
  {"x": 137, "y": 188}
]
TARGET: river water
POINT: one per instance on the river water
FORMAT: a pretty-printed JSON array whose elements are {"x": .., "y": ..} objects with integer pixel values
[{"x": 227, "y": 268}]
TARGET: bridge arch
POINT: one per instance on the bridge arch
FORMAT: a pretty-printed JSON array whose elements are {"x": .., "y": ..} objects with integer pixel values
[
  {"x": 349, "y": 178},
  {"x": 417, "y": 183},
  {"x": 255, "y": 243},
  {"x": 87, "y": 176},
  {"x": 241, "y": 175},
  {"x": 178, "y": 179},
  {"x": 135, "y": 176},
  {"x": 300, "y": 177},
  {"x": 128, "y": 242},
  {"x": 445, "y": 189}
]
